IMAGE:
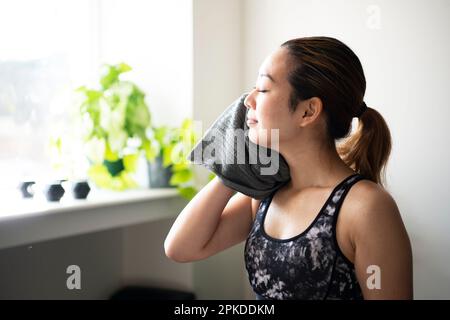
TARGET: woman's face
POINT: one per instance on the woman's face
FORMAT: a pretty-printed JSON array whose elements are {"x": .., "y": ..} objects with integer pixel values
[{"x": 268, "y": 103}]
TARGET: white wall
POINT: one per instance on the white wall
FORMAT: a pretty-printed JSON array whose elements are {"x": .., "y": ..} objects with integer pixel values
[
  {"x": 145, "y": 262},
  {"x": 217, "y": 82},
  {"x": 38, "y": 270},
  {"x": 217, "y": 57},
  {"x": 408, "y": 73},
  {"x": 155, "y": 38},
  {"x": 108, "y": 260}
]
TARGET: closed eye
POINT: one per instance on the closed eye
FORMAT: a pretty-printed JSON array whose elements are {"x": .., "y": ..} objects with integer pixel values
[{"x": 260, "y": 90}]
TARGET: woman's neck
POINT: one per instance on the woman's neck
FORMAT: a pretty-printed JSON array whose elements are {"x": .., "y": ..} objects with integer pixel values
[{"x": 319, "y": 168}]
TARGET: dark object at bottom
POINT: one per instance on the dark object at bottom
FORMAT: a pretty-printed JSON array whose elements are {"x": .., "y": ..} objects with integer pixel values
[
  {"x": 54, "y": 191},
  {"x": 81, "y": 190},
  {"x": 26, "y": 188},
  {"x": 149, "y": 293}
]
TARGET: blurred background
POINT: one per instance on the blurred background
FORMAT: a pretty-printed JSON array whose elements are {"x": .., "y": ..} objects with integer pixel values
[{"x": 186, "y": 60}]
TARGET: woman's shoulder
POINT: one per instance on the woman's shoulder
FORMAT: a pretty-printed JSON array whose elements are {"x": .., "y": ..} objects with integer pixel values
[
  {"x": 366, "y": 194},
  {"x": 370, "y": 205}
]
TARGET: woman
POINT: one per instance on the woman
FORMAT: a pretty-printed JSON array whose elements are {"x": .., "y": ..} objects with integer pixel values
[{"x": 304, "y": 241}]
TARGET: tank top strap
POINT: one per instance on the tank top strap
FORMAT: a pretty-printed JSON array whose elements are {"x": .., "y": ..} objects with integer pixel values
[
  {"x": 340, "y": 194},
  {"x": 334, "y": 202},
  {"x": 263, "y": 205}
]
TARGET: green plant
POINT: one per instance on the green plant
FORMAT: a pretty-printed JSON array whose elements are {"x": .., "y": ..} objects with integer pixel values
[
  {"x": 115, "y": 119},
  {"x": 173, "y": 144},
  {"x": 118, "y": 128}
]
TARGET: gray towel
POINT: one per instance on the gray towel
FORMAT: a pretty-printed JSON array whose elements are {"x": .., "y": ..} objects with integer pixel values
[{"x": 226, "y": 150}]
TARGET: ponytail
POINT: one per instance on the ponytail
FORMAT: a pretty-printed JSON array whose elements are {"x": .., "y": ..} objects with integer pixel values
[{"x": 367, "y": 150}]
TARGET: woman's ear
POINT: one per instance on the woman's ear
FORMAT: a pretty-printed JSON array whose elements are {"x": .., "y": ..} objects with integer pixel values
[
  {"x": 311, "y": 109},
  {"x": 315, "y": 106}
]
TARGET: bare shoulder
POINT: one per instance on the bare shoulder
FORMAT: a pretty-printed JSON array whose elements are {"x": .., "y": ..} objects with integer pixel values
[
  {"x": 371, "y": 207},
  {"x": 379, "y": 238},
  {"x": 369, "y": 197}
]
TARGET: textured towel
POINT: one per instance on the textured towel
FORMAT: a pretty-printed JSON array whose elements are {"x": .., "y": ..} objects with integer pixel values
[{"x": 226, "y": 150}]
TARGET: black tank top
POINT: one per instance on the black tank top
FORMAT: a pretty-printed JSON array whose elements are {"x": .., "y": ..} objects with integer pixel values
[{"x": 309, "y": 265}]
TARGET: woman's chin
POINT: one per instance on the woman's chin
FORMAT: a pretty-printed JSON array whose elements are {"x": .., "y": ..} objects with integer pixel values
[
  {"x": 266, "y": 142},
  {"x": 252, "y": 136},
  {"x": 254, "y": 139}
]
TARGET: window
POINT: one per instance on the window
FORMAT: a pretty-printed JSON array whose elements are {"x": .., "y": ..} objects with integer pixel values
[{"x": 47, "y": 49}]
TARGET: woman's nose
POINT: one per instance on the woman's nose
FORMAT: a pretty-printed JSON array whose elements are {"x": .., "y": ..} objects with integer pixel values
[{"x": 248, "y": 101}]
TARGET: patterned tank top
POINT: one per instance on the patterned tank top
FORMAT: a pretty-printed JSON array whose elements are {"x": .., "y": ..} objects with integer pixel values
[{"x": 309, "y": 265}]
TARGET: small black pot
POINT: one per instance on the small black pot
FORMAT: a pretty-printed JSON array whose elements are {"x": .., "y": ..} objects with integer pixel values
[
  {"x": 53, "y": 191},
  {"x": 80, "y": 189},
  {"x": 26, "y": 188}
]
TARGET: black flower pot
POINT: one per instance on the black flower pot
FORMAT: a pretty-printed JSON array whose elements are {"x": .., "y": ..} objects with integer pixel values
[
  {"x": 26, "y": 188},
  {"x": 158, "y": 176},
  {"x": 81, "y": 189},
  {"x": 53, "y": 191}
]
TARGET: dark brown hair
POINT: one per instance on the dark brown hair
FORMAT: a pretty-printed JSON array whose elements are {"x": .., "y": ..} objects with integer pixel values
[{"x": 326, "y": 68}]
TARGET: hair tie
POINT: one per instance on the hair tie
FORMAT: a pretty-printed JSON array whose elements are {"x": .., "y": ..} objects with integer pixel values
[{"x": 363, "y": 108}]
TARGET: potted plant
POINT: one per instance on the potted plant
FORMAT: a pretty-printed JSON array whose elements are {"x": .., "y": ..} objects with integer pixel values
[
  {"x": 118, "y": 129},
  {"x": 115, "y": 119},
  {"x": 169, "y": 166}
]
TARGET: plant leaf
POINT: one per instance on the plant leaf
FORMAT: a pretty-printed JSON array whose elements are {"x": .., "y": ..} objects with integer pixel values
[
  {"x": 130, "y": 162},
  {"x": 180, "y": 177},
  {"x": 211, "y": 176},
  {"x": 111, "y": 74},
  {"x": 100, "y": 176},
  {"x": 180, "y": 166},
  {"x": 167, "y": 156},
  {"x": 187, "y": 192},
  {"x": 151, "y": 149},
  {"x": 109, "y": 154}
]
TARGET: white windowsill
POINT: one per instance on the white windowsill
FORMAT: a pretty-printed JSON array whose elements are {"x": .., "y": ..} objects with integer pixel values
[
  {"x": 33, "y": 220},
  {"x": 18, "y": 208}
]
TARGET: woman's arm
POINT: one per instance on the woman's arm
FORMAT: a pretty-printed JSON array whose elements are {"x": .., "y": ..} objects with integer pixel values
[
  {"x": 197, "y": 222},
  {"x": 383, "y": 257}
]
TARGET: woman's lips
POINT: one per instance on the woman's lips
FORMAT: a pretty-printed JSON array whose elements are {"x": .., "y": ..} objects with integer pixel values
[{"x": 251, "y": 119}]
